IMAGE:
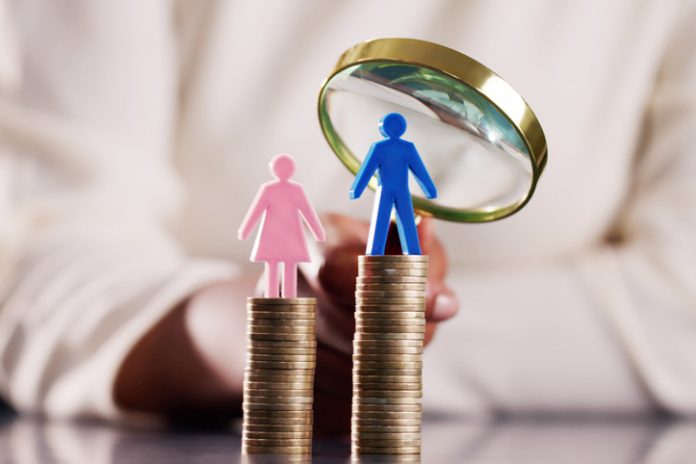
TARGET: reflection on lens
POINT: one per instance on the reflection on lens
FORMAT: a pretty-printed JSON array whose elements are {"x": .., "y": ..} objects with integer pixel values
[{"x": 477, "y": 157}]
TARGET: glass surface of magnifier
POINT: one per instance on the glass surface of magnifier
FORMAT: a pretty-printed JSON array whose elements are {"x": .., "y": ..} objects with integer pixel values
[{"x": 480, "y": 140}]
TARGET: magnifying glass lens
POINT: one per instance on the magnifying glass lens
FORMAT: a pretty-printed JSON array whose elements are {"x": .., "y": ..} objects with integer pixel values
[{"x": 476, "y": 157}]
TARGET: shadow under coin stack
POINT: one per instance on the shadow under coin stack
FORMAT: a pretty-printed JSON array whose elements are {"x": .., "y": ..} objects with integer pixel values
[
  {"x": 387, "y": 355},
  {"x": 279, "y": 376}
]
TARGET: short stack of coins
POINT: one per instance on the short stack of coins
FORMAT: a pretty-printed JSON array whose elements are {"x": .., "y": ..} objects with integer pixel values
[
  {"x": 279, "y": 376},
  {"x": 387, "y": 355}
]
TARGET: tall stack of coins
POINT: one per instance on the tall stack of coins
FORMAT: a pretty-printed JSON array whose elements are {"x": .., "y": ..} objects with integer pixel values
[
  {"x": 387, "y": 355},
  {"x": 279, "y": 376}
]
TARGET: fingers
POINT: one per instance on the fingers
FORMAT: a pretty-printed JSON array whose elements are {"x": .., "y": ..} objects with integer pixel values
[
  {"x": 441, "y": 303},
  {"x": 426, "y": 233}
]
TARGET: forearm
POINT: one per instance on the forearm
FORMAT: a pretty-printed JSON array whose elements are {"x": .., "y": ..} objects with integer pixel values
[
  {"x": 192, "y": 362},
  {"x": 167, "y": 372}
]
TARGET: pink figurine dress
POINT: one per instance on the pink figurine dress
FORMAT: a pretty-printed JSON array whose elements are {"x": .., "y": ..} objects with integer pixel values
[{"x": 281, "y": 207}]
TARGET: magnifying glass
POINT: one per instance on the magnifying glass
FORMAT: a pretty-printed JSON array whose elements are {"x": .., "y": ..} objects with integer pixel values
[{"x": 479, "y": 139}]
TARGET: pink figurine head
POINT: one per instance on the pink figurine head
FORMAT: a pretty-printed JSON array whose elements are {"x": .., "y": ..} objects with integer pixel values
[{"x": 282, "y": 166}]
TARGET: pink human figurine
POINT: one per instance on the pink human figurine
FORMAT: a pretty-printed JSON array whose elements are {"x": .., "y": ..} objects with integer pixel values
[{"x": 280, "y": 206}]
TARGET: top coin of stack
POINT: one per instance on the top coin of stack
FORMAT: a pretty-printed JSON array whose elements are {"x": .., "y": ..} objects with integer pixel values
[
  {"x": 387, "y": 354},
  {"x": 279, "y": 376}
]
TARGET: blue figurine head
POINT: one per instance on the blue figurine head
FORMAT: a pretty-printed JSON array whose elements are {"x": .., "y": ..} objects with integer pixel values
[{"x": 392, "y": 126}]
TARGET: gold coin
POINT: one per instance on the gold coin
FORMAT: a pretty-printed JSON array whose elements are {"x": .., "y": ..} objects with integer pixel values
[
  {"x": 387, "y": 357},
  {"x": 362, "y": 426},
  {"x": 291, "y": 386},
  {"x": 360, "y": 449},
  {"x": 385, "y": 312},
  {"x": 280, "y": 337},
  {"x": 364, "y": 394},
  {"x": 281, "y": 301},
  {"x": 387, "y": 418},
  {"x": 284, "y": 406},
  {"x": 255, "y": 322},
  {"x": 259, "y": 398},
  {"x": 392, "y": 401},
  {"x": 377, "y": 356},
  {"x": 365, "y": 436},
  {"x": 361, "y": 408},
  {"x": 414, "y": 286},
  {"x": 376, "y": 279},
  {"x": 370, "y": 350},
  {"x": 260, "y": 423},
  {"x": 281, "y": 316},
  {"x": 259, "y": 419},
  {"x": 255, "y": 364},
  {"x": 392, "y": 310},
  {"x": 388, "y": 336},
  {"x": 363, "y": 444},
  {"x": 275, "y": 435},
  {"x": 270, "y": 424},
  {"x": 282, "y": 344},
  {"x": 395, "y": 313},
  {"x": 395, "y": 417},
  {"x": 382, "y": 442},
  {"x": 387, "y": 364},
  {"x": 282, "y": 357},
  {"x": 385, "y": 404},
  {"x": 391, "y": 301},
  {"x": 277, "y": 396},
  {"x": 279, "y": 323},
  {"x": 363, "y": 349},
  {"x": 279, "y": 417},
  {"x": 388, "y": 386},
  {"x": 393, "y": 273},
  {"x": 394, "y": 329},
  {"x": 393, "y": 343},
  {"x": 365, "y": 320},
  {"x": 389, "y": 293},
  {"x": 386, "y": 322},
  {"x": 363, "y": 343},
  {"x": 249, "y": 449},
  {"x": 298, "y": 313},
  {"x": 359, "y": 429},
  {"x": 275, "y": 375},
  {"x": 304, "y": 330},
  {"x": 365, "y": 373},
  {"x": 380, "y": 376},
  {"x": 279, "y": 393},
  {"x": 305, "y": 430},
  {"x": 284, "y": 376},
  {"x": 254, "y": 350},
  {"x": 303, "y": 441}
]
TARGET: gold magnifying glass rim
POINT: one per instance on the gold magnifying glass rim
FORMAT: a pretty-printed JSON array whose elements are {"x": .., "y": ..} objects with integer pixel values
[{"x": 465, "y": 70}]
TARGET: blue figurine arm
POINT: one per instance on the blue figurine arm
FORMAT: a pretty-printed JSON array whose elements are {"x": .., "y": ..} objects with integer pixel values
[
  {"x": 421, "y": 173},
  {"x": 362, "y": 178}
]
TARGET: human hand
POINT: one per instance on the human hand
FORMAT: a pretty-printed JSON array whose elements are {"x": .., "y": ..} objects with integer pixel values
[{"x": 346, "y": 239}]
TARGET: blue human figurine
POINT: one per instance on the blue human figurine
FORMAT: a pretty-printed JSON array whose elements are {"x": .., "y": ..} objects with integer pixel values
[{"x": 392, "y": 159}]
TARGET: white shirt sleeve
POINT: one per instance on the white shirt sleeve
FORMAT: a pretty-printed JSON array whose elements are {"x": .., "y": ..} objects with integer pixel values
[
  {"x": 612, "y": 329},
  {"x": 87, "y": 264}
]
